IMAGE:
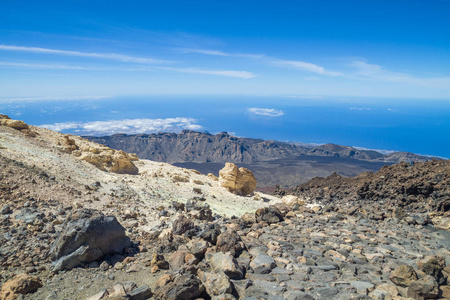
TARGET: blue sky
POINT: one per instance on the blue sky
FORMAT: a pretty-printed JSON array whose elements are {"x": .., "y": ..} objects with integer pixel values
[{"x": 326, "y": 48}]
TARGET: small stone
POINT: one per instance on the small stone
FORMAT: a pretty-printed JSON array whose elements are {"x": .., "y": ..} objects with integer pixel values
[
  {"x": 221, "y": 262},
  {"x": 164, "y": 280},
  {"x": 133, "y": 268},
  {"x": 159, "y": 261},
  {"x": 181, "y": 225},
  {"x": 216, "y": 283},
  {"x": 263, "y": 264},
  {"x": 141, "y": 293},
  {"x": 104, "y": 266},
  {"x": 362, "y": 287}
]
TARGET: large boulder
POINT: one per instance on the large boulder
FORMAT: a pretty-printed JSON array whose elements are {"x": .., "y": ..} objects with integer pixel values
[
  {"x": 239, "y": 181},
  {"x": 19, "y": 285},
  {"x": 88, "y": 235}
]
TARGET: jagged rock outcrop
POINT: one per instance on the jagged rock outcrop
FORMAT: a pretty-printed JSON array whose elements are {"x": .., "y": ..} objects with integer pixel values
[
  {"x": 104, "y": 158},
  {"x": 17, "y": 125},
  {"x": 88, "y": 236},
  {"x": 239, "y": 181}
]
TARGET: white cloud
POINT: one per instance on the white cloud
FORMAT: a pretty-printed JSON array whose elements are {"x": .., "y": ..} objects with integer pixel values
[
  {"x": 109, "y": 56},
  {"x": 128, "y": 126},
  {"x": 269, "y": 112},
  {"x": 227, "y": 73}
]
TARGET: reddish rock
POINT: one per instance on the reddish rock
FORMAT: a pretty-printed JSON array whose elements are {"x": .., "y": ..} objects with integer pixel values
[{"x": 19, "y": 285}]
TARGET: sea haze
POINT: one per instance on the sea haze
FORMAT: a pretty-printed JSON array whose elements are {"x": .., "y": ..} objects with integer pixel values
[{"x": 419, "y": 126}]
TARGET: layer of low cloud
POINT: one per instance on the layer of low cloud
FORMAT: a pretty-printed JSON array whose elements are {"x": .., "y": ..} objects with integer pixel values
[
  {"x": 269, "y": 112},
  {"x": 128, "y": 126}
]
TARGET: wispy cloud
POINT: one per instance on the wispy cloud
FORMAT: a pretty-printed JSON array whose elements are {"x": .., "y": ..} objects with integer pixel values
[
  {"x": 128, "y": 126},
  {"x": 219, "y": 53},
  {"x": 269, "y": 112},
  {"x": 296, "y": 64},
  {"x": 226, "y": 73},
  {"x": 366, "y": 71},
  {"x": 304, "y": 66},
  {"x": 52, "y": 66},
  {"x": 109, "y": 56},
  {"x": 360, "y": 108},
  {"x": 374, "y": 72},
  {"x": 25, "y": 99}
]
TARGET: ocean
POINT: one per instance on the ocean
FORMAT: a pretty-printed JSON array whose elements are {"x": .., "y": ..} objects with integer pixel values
[{"x": 421, "y": 126}]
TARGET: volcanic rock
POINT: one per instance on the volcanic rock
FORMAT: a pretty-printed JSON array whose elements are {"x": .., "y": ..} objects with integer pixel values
[
  {"x": 88, "y": 235},
  {"x": 424, "y": 288},
  {"x": 226, "y": 263},
  {"x": 269, "y": 214},
  {"x": 183, "y": 287}
]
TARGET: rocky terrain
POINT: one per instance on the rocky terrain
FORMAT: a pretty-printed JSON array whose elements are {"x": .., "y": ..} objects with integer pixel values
[
  {"x": 117, "y": 227},
  {"x": 207, "y": 153},
  {"x": 401, "y": 189}
]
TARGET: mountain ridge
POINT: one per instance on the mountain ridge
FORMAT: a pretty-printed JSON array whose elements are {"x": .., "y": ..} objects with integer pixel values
[
  {"x": 272, "y": 162},
  {"x": 199, "y": 147}
]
